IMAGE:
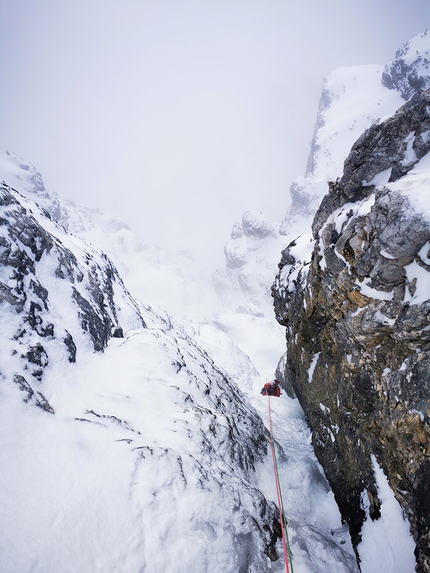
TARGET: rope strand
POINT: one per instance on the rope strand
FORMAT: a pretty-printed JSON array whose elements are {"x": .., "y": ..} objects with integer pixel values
[{"x": 284, "y": 531}]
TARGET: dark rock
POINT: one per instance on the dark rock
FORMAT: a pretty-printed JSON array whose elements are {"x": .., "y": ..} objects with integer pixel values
[
  {"x": 43, "y": 403},
  {"x": 358, "y": 344},
  {"x": 38, "y": 398},
  {"x": 409, "y": 72},
  {"x": 37, "y": 355},
  {"x": 71, "y": 346},
  {"x": 92, "y": 285},
  {"x": 24, "y": 386},
  {"x": 396, "y": 145}
]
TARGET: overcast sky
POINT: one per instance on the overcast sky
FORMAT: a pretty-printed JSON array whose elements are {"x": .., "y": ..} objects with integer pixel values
[{"x": 180, "y": 115}]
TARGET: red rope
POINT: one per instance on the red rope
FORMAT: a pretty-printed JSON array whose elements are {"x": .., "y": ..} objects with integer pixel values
[{"x": 278, "y": 493}]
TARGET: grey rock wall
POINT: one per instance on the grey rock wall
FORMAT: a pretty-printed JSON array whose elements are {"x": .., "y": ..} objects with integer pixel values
[{"x": 358, "y": 342}]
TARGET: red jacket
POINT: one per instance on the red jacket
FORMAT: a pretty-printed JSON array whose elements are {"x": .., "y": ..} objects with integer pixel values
[{"x": 270, "y": 389}]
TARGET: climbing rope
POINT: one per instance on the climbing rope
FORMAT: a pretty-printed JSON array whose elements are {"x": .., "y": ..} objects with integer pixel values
[{"x": 284, "y": 530}]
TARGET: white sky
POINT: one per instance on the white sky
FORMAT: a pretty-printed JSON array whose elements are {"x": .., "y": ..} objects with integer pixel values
[{"x": 179, "y": 115}]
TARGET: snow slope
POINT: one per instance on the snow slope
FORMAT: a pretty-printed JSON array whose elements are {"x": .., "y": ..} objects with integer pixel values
[
  {"x": 141, "y": 442},
  {"x": 143, "y": 465},
  {"x": 153, "y": 459}
]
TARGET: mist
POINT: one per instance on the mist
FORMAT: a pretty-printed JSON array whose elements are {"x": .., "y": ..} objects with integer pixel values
[{"x": 180, "y": 116}]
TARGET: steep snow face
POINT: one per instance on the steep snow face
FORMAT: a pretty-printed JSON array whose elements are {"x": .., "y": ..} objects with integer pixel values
[
  {"x": 409, "y": 72},
  {"x": 352, "y": 99},
  {"x": 251, "y": 254}
]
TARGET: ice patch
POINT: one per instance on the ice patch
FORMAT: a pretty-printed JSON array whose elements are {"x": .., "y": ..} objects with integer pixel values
[
  {"x": 410, "y": 156},
  {"x": 379, "y": 180},
  {"x": 424, "y": 253},
  {"x": 386, "y": 255},
  {"x": 380, "y": 317}
]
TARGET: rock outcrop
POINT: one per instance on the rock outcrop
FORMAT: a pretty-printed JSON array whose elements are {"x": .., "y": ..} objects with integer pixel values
[
  {"x": 409, "y": 72},
  {"x": 40, "y": 277},
  {"x": 250, "y": 255},
  {"x": 355, "y": 301}
]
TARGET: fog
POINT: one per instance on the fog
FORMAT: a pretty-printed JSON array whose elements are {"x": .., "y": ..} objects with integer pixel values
[{"x": 178, "y": 116}]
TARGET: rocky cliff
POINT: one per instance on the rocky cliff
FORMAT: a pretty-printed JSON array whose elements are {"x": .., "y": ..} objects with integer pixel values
[
  {"x": 354, "y": 298},
  {"x": 43, "y": 272}
]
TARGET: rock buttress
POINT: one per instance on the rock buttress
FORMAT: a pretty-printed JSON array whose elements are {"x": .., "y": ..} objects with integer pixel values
[{"x": 357, "y": 321}]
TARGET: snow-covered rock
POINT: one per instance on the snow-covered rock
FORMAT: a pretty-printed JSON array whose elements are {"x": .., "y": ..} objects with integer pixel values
[
  {"x": 172, "y": 283},
  {"x": 356, "y": 308},
  {"x": 352, "y": 291},
  {"x": 409, "y": 72},
  {"x": 46, "y": 274}
]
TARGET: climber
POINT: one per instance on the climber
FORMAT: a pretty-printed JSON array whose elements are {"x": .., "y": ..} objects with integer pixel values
[{"x": 271, "y": 388}]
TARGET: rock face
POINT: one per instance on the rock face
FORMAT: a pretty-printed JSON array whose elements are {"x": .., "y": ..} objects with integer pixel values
[
  {"x": 408, "y": 73},
  {"x": 357, "y": 314},
  {"x": 39, "y": 278}
]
